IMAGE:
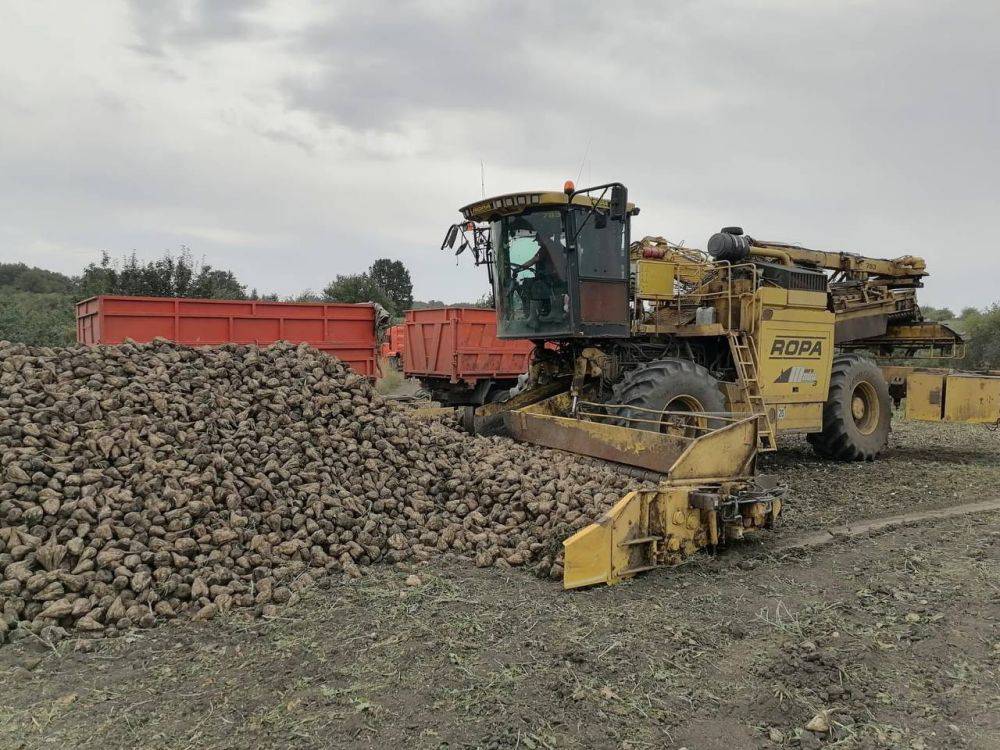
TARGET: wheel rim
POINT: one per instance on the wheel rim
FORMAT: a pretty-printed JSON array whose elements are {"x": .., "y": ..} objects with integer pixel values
[
  {"x": 680, "y": 424},
  {"x": 865, "y": 408}
]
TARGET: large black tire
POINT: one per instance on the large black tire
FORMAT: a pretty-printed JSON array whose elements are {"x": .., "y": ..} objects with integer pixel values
[
  {"x": 858, "y": 412},
  {"x": 679, "y": 384}
]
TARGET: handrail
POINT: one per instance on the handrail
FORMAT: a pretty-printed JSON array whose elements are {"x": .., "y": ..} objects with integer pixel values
[{"x": 725, "y": 273}]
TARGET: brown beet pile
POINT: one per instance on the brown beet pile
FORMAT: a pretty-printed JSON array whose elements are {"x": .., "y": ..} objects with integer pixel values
[{"x": 144, "y": 482}]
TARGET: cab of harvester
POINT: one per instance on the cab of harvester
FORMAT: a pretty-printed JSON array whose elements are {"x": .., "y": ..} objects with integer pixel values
[{"x": 558, "y": 262}]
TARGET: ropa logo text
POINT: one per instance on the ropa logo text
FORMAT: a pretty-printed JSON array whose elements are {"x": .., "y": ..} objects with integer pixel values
[{"x": 797, "y": 347}]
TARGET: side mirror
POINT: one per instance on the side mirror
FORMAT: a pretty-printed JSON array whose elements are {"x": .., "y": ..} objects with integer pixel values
[
  {"x": 450, "y": 237},
  {"x": 619, "y": 202},
  {"x": 461, "y": 248}
]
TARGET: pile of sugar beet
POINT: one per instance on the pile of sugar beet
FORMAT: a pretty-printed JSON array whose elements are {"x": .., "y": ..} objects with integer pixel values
[{"x": 140, "y": 483}]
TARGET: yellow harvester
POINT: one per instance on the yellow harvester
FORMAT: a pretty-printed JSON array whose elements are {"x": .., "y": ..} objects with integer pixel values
[{"x": 688, "y": 363}]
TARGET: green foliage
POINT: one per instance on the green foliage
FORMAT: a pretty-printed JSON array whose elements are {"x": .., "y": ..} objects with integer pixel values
[
  {"x": 969, "y": 313},
  {"x": 486, "y": 300},
  {"x": 37, "y": 318},
  {"x": 357, "y": 287},
  {"x": 393, "y": 278},
  {"x": 386, "y": 282},
  {"x": 22, "y": 278},
  {"x": 938, "y": 314},
  {"x": 983, "y": 336},
  {"x": 169, "y": 276},
  {"x": 37, "y": 307}
]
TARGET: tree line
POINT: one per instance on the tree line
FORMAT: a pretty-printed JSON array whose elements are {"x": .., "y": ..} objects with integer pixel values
[
  {"x": 38, "y": 306},
  {"x": 981, "y": 329}
]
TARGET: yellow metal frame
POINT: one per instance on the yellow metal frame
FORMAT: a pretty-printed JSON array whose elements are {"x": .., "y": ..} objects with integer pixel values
[{"x": 648, "y": 529}]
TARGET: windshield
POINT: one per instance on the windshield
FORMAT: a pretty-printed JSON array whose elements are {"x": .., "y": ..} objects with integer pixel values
[{"x": 531, "y": 291}]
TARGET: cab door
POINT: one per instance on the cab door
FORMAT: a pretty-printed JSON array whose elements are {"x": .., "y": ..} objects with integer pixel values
[{"x": 600, "y": 256}]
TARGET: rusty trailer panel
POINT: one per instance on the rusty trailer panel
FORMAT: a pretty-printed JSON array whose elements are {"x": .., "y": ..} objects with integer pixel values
[
  {"x": 460, "y": 345},
  {"x": 394, "y": 342}
]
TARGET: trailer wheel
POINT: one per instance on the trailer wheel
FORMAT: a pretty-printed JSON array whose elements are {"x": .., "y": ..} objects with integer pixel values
[
  {"x": 668, "y": 385},
  {"x": 467, "y": 419},
  {"x": 858, "y": 411}
]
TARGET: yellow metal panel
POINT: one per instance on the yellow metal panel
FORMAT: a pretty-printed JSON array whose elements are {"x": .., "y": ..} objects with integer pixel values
[
  {"x": 811, "y": 315},
  {"x": 972, "y": 398},
  {"x": 723, "y": 453},
  {"x": 924, "y": 394},
  {"x": 648, "y": 450},
  {"x": 642, "y": 530},
  {"x": 807, "y": 299},
  {"x": 588, "y": 557},
  {"x": 795, "y": 355},
  {"x": 772, "y": 295},
  {"x": 806, "y": 417},
  {"x": 655, "y": 279}
]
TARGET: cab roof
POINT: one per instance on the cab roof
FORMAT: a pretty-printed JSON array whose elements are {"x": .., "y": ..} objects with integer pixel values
[{"x": 490, "y": 209}]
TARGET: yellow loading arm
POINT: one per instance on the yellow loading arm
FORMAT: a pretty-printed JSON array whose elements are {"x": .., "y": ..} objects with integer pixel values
[{"x": 905, "y": 270}]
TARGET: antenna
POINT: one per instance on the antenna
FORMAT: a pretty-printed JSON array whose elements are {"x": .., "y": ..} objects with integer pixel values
[
  {"x": 583, "y": 161},
  {"x": 482, "y": 175}
]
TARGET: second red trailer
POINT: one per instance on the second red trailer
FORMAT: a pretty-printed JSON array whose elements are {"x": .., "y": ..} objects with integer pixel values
[{"x": 456, "y": 355}]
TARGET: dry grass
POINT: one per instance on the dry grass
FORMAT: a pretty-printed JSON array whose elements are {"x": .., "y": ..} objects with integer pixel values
[{"x": 391, "y": 379}]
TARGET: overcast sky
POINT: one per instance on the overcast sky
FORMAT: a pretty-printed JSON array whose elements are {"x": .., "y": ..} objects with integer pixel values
[{"x": 291, "y": 141}]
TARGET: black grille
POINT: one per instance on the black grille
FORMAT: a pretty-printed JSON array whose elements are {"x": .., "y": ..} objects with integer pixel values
[{"x": 801, "y": 279}]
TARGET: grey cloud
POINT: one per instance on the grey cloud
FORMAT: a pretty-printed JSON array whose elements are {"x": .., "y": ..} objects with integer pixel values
[
  {"x": 167, "y": 24},
  {"x": 766, "y": 82},
  {"x": 868, "y": 126}
]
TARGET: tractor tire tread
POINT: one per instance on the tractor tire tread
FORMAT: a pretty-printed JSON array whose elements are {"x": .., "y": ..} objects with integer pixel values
[
  {"x": 637, "y": 387},
  {"x": 838, "y": 440}
]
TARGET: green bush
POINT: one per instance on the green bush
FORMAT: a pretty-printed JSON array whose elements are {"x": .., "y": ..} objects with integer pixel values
[
  {"x": 38, "y": 319},
  {"x": 983, "y": 337}
]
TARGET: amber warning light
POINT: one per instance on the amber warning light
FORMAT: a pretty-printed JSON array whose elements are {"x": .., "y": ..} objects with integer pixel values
[{"x": 568, "y": 187}]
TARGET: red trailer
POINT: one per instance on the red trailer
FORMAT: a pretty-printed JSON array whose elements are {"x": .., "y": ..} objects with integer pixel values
[
  {"x": 456, "y": 355},
  {"x": 342, "y": 330},
  {"x": 392, "y": 348}
]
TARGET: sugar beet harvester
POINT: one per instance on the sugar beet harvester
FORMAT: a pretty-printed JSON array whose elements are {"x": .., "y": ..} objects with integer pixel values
[{"x": 688, "y": 363}]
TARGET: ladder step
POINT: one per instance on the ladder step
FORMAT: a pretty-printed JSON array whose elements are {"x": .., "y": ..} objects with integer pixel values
[{"x": 745, "y": 358}]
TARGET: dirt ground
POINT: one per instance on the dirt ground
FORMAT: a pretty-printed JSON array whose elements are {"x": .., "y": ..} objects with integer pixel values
[{"x": 888, "y": 642}]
